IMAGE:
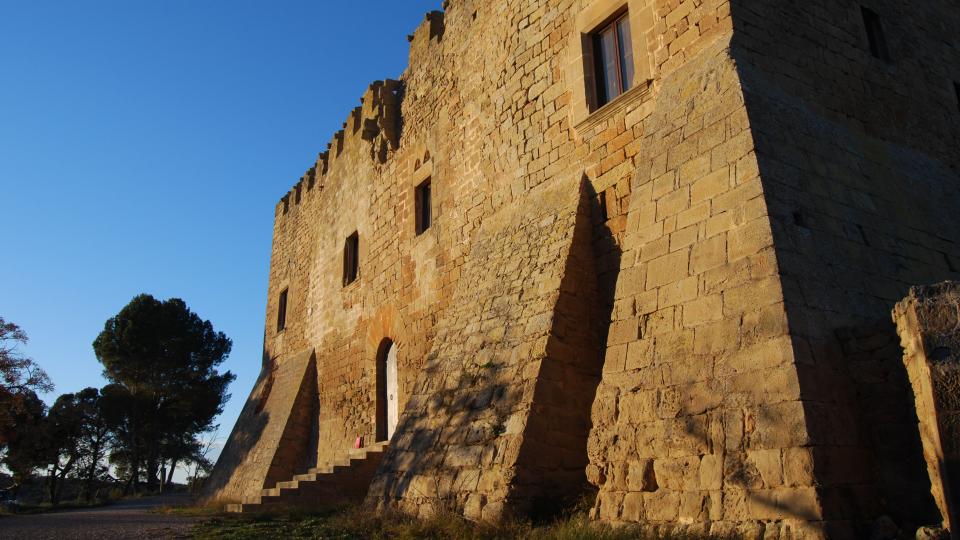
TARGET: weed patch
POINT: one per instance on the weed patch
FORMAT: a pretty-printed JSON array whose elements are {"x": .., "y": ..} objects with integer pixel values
[{"x": 360, "y": 524}]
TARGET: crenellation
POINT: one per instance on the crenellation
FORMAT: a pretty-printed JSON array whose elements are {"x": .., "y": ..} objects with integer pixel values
[
  {"x": 322, "y": 164},
  {"x": 677, "y": 301},
  {"x": 337, "y": 144}
]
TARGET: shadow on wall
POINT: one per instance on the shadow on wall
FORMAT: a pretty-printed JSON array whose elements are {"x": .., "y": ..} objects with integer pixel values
[
  {"x": 484, "y": 401},
  {"x": 244, "y": 437},
  {"x": 273, "y": 438},
  {"x": 489, "y": 426},
  {"x": 551, "y": 468},
  {"x": 846, "y": 209}
]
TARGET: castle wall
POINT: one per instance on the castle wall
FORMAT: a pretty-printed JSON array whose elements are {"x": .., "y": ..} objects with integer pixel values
[
  {"x": 270, "y": 440},
  {"x": 473, "y": 124},
  {"x": 760, "y": 168},
  {"x": 927, "y": 322},
  {"x": 859, "y": 165},
  {"x": 698, "y": 419},
  {"x": 497, "y": 422}
]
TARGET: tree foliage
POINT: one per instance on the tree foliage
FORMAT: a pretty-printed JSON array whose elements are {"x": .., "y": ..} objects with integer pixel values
[
  {"x": 20, "y": 378},
  {"x": 162, "y": 359},
  {"x": 23, "y": 450},
  {"x": 164, "y": 391}
]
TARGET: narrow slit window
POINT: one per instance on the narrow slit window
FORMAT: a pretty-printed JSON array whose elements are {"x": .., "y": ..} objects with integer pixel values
[
  {"x": 613, "y": 59},
  {"x": 424, "y": 206},
  {"x": 282, "y": 311},
  {"x": 956, "y": 90},
  {"x": 351, "y": 259},
  {"x": 875, "y": 34}
]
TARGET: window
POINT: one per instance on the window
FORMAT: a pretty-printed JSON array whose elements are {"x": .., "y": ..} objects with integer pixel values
[
  {"x": 282, "y": 311},
  {"x": 351, "y": 259},
  {"x": 424, "y": 207},
  {"x": 875, "y": 36},
  {"x": 956, "y": 89},
  {"x": 613, "y": 59}
]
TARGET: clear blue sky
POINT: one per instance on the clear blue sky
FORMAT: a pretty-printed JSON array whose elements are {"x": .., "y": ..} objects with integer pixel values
[{"x": 143, "y": 145}]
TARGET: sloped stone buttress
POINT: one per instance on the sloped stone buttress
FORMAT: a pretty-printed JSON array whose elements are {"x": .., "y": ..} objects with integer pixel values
[{"x": 333, "y": 483}]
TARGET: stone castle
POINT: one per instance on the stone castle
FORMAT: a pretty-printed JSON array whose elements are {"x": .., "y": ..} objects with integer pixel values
[{"x": 645, "y": 250}]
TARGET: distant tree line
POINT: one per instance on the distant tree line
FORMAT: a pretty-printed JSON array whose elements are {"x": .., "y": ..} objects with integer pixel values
[{"x": 164, "y": 392}]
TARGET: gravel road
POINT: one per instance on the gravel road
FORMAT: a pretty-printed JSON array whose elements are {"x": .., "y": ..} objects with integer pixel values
[{"x": 126, "y": 519}]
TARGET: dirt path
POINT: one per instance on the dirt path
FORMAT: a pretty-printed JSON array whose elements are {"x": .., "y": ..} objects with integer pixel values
[{"x": 126, "y": 519}]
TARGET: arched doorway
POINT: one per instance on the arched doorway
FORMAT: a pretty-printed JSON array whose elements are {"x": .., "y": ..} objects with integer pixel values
[{"x": 387, "y": 395}]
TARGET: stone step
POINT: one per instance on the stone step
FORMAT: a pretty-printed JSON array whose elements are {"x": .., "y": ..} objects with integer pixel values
[{"x": 330, "y": 482}]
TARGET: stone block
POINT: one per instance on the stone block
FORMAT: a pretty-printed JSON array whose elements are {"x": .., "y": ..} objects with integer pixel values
[
  {"x": 749, "y": 239},
  {"x": 632, "y": 507},
  {"x": 784, "y": 503},
  {"x": 928, "y": 321},
  {"x": 667, "y": 269},
  {"x": 711, "y": 472},
  {"x": 708, "y": 254},
  {"x": 703, "y": 310},
  {"x": 642, "y": 476},
  {"x": 710, "y": 186}
]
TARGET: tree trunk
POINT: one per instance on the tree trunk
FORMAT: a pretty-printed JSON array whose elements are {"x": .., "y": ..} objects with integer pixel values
[
  {"x": 133, "y": 481},
  {"x": 59, "y": 479},
  {"x": 15, "y": 488},
  {"x": 152, "y": 468},
  {"x": 52, "y": 485},
  {"x": 91, "y": 472},
  {"x": 173, "y": 468}
]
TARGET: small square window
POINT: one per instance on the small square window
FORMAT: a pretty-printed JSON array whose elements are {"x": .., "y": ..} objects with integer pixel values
[
  {"x": 424, "y": 206},
  {"x": 351, "y": 259},
  {"x": 613, "y": 59},
  {"x": 875, "y": 35},
  {"x": 282, "y": 311}
]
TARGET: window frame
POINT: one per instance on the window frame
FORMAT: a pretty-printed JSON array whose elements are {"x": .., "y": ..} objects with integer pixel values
[
  {"x": 282, "y": 305},
  {"x": 956, "y": 92},
  {"x": 351, "y": 259},
  {"x": 585, "y": 115},
  {"x": 876, "y": 35},
  {"x": 423, "y": 206},
  {"x": 601, "y": 93}
]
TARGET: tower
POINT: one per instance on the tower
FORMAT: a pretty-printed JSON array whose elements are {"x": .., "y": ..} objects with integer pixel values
[{"x": 664, "y": 244}]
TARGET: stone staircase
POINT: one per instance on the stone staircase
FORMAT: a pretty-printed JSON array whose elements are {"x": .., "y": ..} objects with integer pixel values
[{"x": 342, "y": 480}]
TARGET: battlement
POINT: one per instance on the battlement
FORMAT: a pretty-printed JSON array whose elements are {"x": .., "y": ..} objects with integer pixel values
[
  {"x": 432, "y": 27},
  {"x": 533, "y": 270},
  {"x": 377, "y": 120}
]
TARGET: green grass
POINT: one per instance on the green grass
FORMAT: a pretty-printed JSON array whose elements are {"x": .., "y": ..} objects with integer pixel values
[
  {"x": 360, "y": 524},
  {"x": 204, "y": 510}
]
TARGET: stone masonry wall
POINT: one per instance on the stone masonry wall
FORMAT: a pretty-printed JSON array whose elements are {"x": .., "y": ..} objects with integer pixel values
[
  {"x": 737, "y": 199},
  {"x": 271, "y": 435},
  {"x": 859, "y": 168},
  {"x": 928, "y": 322},
  {"x": 467, "y": 431},
  {"x": 471, "y": 78},
  {"x": 698, "y": 419}
]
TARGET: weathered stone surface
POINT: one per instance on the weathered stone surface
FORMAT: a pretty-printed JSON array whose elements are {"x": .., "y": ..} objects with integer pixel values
[
  {"x": 755, "y": 205},
  {"x": 928, "y": 321},
  {"x": 272, "y": 437},
  {"x": 525, "y": 445}
]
